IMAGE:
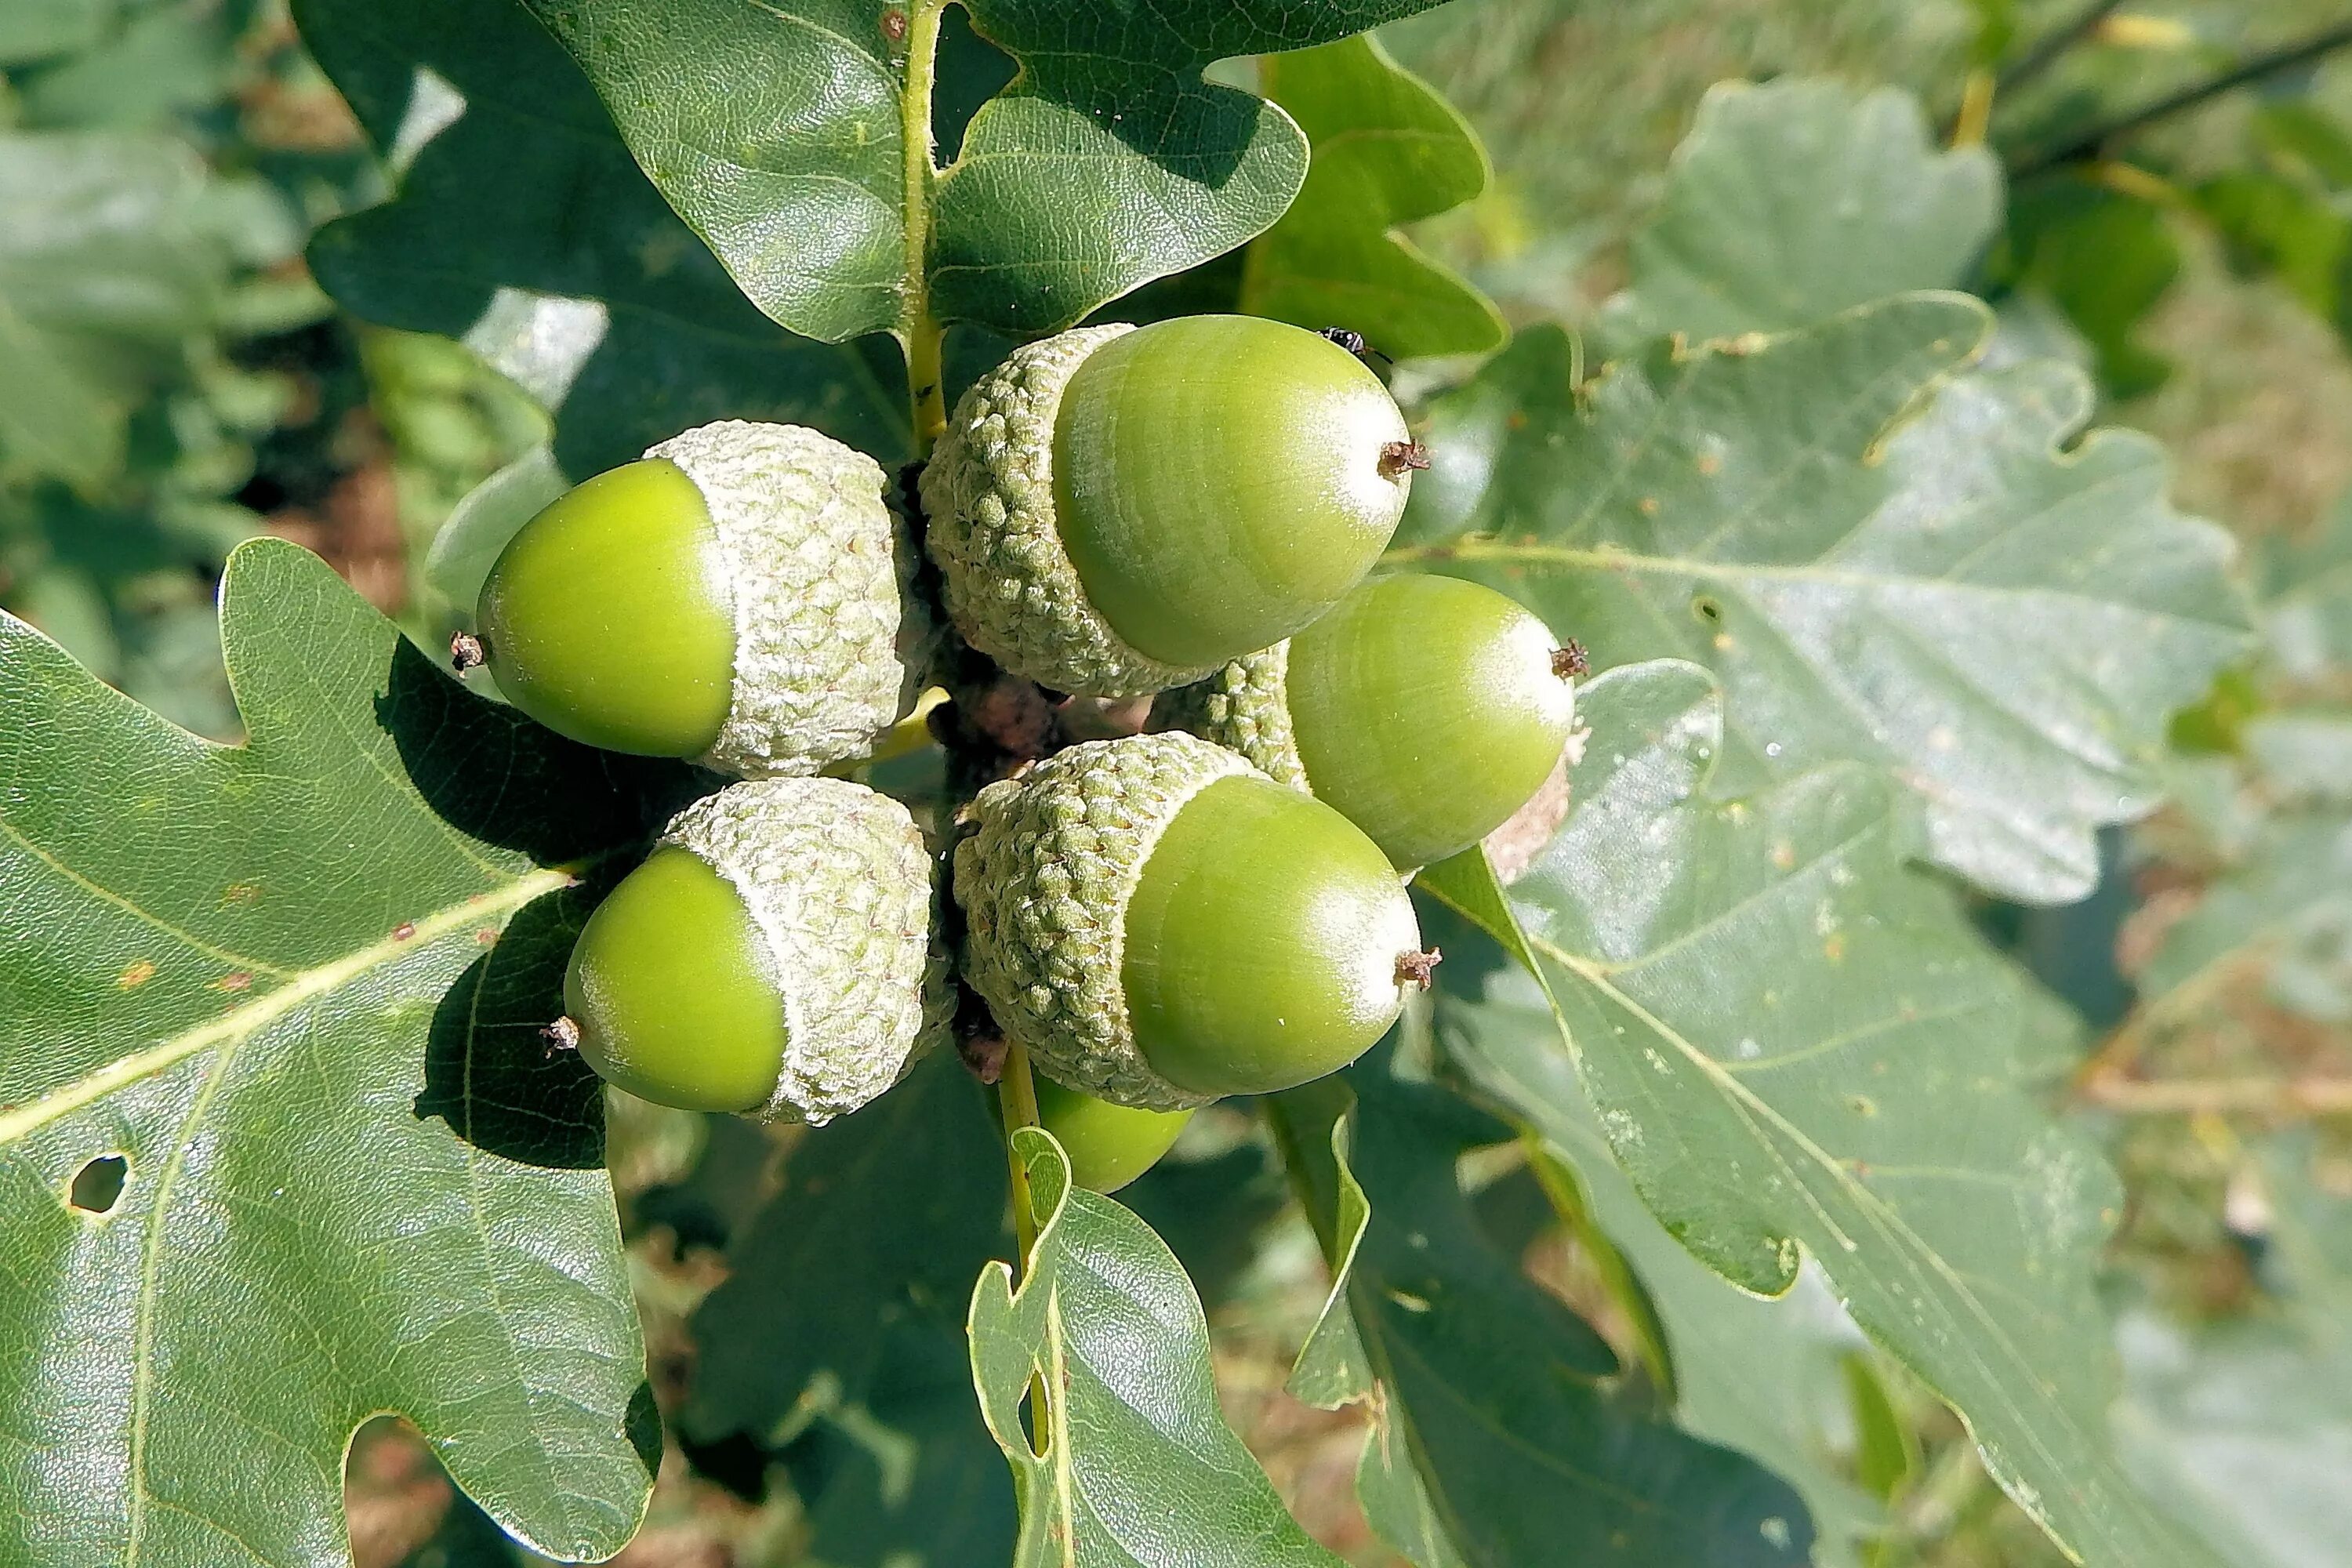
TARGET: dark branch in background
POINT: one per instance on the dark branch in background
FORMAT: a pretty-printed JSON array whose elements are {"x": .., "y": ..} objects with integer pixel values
[
  {"x": 2046, "y": 53},
  {"x": 2255, "y": 67}
]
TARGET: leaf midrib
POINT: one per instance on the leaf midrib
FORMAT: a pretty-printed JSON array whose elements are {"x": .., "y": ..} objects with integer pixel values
[
  {"x": 236, "y": 1026},
  {"x": 106, "y": 895},
  {"x": 1906, "y": 1243}
]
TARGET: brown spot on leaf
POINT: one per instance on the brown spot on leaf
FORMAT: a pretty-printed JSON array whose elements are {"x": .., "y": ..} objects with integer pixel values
[
  {"x": 137, "y": 973},
  {"x": 235, "y": 980}
]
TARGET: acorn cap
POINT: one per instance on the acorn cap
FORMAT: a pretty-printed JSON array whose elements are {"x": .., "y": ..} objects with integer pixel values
[
  {"x": 840, "y": 885},
  {"x": 1045, "y": 884},
  {"x": 832, "y": 642},
  {"x": 1243, "y": 707},
  {"x": 1010, "y": 583}
]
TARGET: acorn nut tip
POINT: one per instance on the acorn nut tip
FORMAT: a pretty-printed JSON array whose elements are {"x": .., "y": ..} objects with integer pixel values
[
  {"x": 1401, "y": 457},
  {"x": 1419, "y": 967}
]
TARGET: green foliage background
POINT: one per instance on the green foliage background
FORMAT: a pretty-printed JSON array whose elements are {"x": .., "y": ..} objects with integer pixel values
[{"x": 1867, "y": 941}]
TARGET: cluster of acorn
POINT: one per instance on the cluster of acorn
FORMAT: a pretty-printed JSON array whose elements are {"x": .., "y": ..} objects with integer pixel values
[{"x": 1211, "y": 905}]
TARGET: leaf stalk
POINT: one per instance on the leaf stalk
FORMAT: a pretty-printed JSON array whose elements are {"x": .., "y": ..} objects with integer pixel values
[{"x": 919, "y": 332}]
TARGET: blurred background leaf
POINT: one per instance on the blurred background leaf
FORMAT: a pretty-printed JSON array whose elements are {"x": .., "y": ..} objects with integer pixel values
[
  {"x": 1790, "y": 203},
  {"x": 1387, "y": 151}
]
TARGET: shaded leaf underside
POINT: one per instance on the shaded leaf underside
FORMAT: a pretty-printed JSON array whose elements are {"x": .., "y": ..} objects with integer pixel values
[
  {"x": 518, "y": 223},
  {"x": 1494, "y": 1433}
]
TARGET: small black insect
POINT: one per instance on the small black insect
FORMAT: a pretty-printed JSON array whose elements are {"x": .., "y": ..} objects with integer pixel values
[{"x": 1353, "y": 341}]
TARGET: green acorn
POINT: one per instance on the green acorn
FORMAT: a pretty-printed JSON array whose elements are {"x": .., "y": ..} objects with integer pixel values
[
  {"x": 1426, "y": 709},
  {"x": 774, "y": 955},
  {"x": 742, "y": 596},
  {"x": 1160, "y": 924},
  {"x": 1119, "y": 509},
  {"x": 1108, "y": 1145}
]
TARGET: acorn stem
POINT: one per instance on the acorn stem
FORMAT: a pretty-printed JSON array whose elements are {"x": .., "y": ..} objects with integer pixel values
[
  {"x": 1398, "y": 457},
  {"x": 1016, "y": 1094},
  {"x": 1418, "y": 968},
  {"x": 467, "y": 652}
]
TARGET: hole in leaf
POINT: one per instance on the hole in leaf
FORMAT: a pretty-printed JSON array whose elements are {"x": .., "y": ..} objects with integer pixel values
[
  {"x": 398, "y": 1502},
  {"x": 1706, "y": 609},
  {"x": 98, "y": 1185},
  {"x": 972, "y": 70}
]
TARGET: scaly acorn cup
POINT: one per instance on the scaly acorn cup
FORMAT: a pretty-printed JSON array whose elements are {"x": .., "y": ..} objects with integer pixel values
[
  {"x": 1160, "y": 924},
  {"x": 742, "y": 595},
  {"x": 774, "y": 955},
  {"x": 1108, "y": 1145},
  {"x": 1119, "y": 509},
  {"x": 1426, "y": 710}
]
